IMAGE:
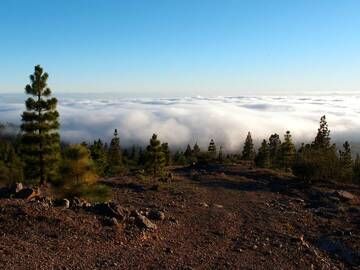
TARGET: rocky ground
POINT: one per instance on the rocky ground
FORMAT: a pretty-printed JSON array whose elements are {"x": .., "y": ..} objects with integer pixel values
[{"x": 220, "y": 217}]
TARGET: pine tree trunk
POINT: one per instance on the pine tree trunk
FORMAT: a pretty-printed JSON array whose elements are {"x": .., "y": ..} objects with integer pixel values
[{"x": 41, "y": 157}]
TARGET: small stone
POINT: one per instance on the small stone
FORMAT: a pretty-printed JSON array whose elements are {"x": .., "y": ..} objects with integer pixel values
[
  {"x": 218, "y": 205},
  {"x": 204, "y": 204},
  {"x": 113, "y": 222}
]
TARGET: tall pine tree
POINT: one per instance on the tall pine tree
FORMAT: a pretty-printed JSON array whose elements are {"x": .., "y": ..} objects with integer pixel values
[
  {"x": 40, "y": 137},
  {"x": 288, "y": 151},
  {"x": 212, "y": 147},
  {"x": 115, "y": 165},
  {"x": 262, "y": 158},
  {"x": 248, "y": 152},
  {"x": 322, "y": 139},
  {"x": 274, "y": 149},
  {"x": 196, "y": 149},
  {"x": 346, "y": 162}
]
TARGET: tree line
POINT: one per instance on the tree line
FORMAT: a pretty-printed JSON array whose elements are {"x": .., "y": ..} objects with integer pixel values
[{"x": 37, "y": 156}]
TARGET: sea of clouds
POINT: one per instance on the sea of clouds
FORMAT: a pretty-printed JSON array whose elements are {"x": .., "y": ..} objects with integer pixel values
[{"x": 180, "y": 121}]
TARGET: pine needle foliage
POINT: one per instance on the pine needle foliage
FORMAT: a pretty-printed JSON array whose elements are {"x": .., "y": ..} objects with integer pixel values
[
  {"x": 115, "y": 164},
  {"x": 155, "y": 157},
  {"x": 40, "y": 123},
  {"x": 248, "y": 152}
]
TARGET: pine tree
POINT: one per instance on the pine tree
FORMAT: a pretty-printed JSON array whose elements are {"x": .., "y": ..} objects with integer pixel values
[
  {"x": 346, "y": 162},
  {"x": 288, "y": 151},
  {"x": 196, "y": 149},
  {"x": 98, "y": 155},
  {"x": 179, "y": 158},
  {"x": 79, "y": 178},
  {"x": 11, "y": 168},
  {"x": 322, "y": 139},
  {"x": 77, "y": 165},
  {"x": 155, "y": 157},
  {"x": 188, "y": 152},
  {"x": 142, "y": 157},
  {"x": 115, "y": 165},
  {"x": 274, "y": 149},
  {"x": 166, "y": 151},
  {"x": 262, "y": 158},
  {"x": 40, "y": 138},
  {"x": 212, "y": 147},
  {"x": 248, "y": 152}
]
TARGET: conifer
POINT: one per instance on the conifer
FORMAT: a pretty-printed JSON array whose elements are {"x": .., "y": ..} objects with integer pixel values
[
  {"x": 274, "y": 149},
  {"x": 262, "y": 158},
  {"x": 196, "y": 149},
  {"x": 115, "y": 165},
  {"x": 346, "y": 162},
  {"x": 155, "y": 157},
  {"x": 188, "y": 152},
  {"x": 98, "y": 155},
  {"x": 288, "y": 151},
  {"x": 166, "y": 151},
  {"x": 248, "y": 152},
  {"x": 40, "y": 137},
  {"x": 212, "y": 147},
  {"x": 322, "y": 139}
]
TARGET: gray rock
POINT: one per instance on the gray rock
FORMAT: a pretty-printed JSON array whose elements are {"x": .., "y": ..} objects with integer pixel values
[
  {"x": 143, "y": 221},
  {"x": 111, "y": 209},
  {"x": 345, "y": 195}
]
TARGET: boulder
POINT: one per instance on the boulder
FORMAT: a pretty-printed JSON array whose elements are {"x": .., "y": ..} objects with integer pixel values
[
  {"x": 345, "y": 195},
  {"x": 111, "y": 210},
  {"x": 27, "y": 193},
  {"x": 156, "y": 215},
  {"x": 16, "y": 187},
  {"x": 143, "y": 222}
]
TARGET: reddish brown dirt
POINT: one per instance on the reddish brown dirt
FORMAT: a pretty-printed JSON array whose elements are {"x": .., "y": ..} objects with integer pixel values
[{"x": 216, "y": 218}]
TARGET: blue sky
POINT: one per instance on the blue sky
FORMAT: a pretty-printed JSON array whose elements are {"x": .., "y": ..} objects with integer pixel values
[{"x": 180, "y": 47}]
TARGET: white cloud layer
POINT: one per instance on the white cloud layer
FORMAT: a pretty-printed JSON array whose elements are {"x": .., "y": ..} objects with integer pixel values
[{"x": 180, "y": 121}]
